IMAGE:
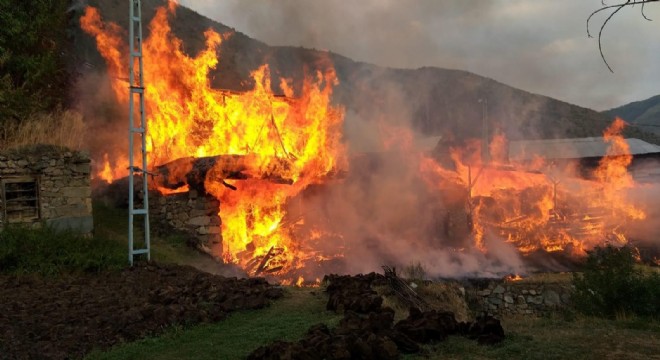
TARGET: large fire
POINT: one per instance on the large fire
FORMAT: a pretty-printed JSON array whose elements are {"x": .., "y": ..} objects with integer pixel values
[
  {"x": 282, "y": 144},
  {"x": 299, "y": 139},
  {"x": 546, "y": 208}
]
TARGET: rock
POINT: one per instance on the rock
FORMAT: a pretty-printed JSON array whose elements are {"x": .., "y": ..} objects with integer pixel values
[
  {"x": 495, "y": 300},
  {"x": 499, "y": 289},
  {"x": 199, "y": 221},
  {"x": 551, "y": 298},
  {"x": 508, "y": 299}
]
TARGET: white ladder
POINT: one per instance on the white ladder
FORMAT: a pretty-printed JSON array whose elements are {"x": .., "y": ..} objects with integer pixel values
[{"x": 136, "y": 87}]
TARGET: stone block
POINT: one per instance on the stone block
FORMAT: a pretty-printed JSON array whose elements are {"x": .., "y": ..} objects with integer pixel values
[
  {"x": 483, "y": 292},
  {"x": 71, "y": 210},
  {"x": 80, "y": 224},
  {"x": 205, "y": 230},
  {"x": 196, "y": 213},
  {"x": 499, "y": 289},
  {"x": 495, "y": 301},
  {"x": 551, "y": 298},
  {"x": 199, "y": 221},
  {"x": 508, "y": 299},
  {"x": 81, "y": 168}
]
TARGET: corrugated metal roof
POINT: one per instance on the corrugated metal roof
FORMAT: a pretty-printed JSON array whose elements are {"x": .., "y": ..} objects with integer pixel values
[{"x": 573, "y": 148}]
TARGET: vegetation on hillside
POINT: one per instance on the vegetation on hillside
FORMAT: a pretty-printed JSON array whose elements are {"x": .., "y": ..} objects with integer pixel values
[
  {"x": 645, "y": 113},
  {"x": 33, "y": 69}
]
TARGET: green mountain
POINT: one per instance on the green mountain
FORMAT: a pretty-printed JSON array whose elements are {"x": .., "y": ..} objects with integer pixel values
[
  {"x": 645, "y": 114},
  {"x": 435, "y": 101}
]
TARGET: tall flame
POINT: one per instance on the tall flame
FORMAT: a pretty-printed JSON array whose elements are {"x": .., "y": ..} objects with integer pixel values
[{"x": 299, "y": 138}]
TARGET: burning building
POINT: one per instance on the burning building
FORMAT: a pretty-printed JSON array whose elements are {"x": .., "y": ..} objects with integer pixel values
[{"x": 265, "y": 179}]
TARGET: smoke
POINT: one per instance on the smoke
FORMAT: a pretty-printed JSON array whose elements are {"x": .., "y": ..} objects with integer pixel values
[
  {"x": 539, "y": 46},
  {"x": 384, "y": 212}
]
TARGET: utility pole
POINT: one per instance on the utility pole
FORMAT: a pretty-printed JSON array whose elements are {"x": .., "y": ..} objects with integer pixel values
[
  {"x": 137, "y": 128},
  {"x": 485, "y": 143}
]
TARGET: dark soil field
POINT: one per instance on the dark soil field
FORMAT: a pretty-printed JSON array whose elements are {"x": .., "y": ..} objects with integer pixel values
[{"x": 68, "y": 316}]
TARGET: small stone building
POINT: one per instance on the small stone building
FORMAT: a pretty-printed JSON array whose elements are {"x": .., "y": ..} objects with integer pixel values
[{"x": 46, "y": 185}]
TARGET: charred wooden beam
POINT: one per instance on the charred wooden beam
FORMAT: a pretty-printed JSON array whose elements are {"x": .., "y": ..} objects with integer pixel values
[{"x": 195, "y": 171}]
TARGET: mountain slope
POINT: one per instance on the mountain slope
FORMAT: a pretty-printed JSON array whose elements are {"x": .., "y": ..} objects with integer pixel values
[
  {"x": 645, "y": 112},
  {"x": 435, "y": 101}
]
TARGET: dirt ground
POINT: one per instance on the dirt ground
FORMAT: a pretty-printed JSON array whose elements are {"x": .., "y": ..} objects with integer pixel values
[{"x": 67, "y": 317}]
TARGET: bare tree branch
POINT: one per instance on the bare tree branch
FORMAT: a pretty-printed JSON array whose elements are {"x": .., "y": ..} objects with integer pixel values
[{"x": 616, "y": 8}]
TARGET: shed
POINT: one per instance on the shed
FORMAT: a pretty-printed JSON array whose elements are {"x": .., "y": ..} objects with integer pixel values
[{"x": 46, "y": 185}]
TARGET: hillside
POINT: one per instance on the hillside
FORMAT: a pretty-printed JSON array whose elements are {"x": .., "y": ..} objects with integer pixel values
[
  {"x": 645, "y": 113},
  {"x": 436, "y": 101}
]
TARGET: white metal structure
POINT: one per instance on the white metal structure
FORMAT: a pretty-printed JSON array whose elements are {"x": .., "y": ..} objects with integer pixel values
[{"x": 137, "y": 127}]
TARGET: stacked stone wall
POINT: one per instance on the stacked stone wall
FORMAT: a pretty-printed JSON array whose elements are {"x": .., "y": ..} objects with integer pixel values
[
  {"x": 63, "y": 178},
  {"x": 518, "y": 297},
  {"x": 191, "y": 213}
]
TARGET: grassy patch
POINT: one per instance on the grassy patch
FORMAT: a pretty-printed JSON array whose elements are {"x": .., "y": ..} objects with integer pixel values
[
  {"x": 111, "y": 222},
  {"x": 49, "y": 252},
  {"x": 46, "y": 251},
  {"x": 558, "y": 338},
  {"x": 235, "y": 337}
]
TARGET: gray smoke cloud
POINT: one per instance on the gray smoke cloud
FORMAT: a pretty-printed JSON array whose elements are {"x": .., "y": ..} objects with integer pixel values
[{"x": 539, "y": 46}]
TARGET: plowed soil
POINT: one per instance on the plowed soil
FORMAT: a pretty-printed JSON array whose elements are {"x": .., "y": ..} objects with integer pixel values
[{"x": 67, "y": 317}]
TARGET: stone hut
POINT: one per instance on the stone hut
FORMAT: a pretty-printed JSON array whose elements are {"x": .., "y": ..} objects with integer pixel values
[{"x": 46, "y": 185}]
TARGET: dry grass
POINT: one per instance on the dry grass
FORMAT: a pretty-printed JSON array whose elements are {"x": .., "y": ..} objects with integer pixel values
[
  {"x": 548, "y": 277},
  {"x": 440, "y": 296},
  {"x": 63, "y": 128}
]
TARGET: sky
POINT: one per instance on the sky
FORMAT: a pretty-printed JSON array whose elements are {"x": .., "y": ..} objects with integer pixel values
[{"x": 539, "y": 46}]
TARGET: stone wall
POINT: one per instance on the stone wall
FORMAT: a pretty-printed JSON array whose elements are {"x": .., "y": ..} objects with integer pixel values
[
  {"x": 499, "y": 297},
  {"x": 62, "y": 176},
  {"x": 191, "y": 213}
]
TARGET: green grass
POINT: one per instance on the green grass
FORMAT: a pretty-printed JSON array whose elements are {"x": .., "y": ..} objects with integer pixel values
[
  {"x": 111, "y": 222},
  {"x": 559, "y": 338},
  {"x": 235, "y": 337},
  {"x": 48, "y": 252}
]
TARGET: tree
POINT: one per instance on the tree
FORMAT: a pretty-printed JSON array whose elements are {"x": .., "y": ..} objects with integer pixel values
[
  {"x": 614, "y": 10},
  {"x": 33, "y": 75}
]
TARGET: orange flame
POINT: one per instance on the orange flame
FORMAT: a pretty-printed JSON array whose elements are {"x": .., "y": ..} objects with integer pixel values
[
  {"x": 533, "y": 211},
  {"x": 298, "y": 139}
]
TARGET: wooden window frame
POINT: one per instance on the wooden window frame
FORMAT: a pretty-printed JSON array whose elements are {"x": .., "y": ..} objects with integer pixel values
[{"x": 6, "y": 211}]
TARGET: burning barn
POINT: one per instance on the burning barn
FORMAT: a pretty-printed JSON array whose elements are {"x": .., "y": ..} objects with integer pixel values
[
  {"x": 267, "y": 182},
  {"x": 587, "y": 153}
]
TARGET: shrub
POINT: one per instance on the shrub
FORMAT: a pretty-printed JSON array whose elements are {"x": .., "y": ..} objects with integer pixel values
[
  {"x": 49, "y": 252},
  {"x": 612, "y": 286}
]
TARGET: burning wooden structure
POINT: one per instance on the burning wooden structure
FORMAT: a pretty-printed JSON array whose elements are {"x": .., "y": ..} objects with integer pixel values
[{"x": 234, "y": 165}]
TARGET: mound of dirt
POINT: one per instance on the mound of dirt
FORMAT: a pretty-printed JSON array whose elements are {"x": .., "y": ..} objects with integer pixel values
[
  {"x": 373, "y": 334},
  {"x": 68, "y": 317}
]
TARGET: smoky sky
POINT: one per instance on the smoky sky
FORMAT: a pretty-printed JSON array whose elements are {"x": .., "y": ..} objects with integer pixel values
[{"x": 539, "y": 46}]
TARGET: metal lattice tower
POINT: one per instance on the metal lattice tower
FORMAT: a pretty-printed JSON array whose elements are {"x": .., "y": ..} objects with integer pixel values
[{"x": 137, "y": 126}]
